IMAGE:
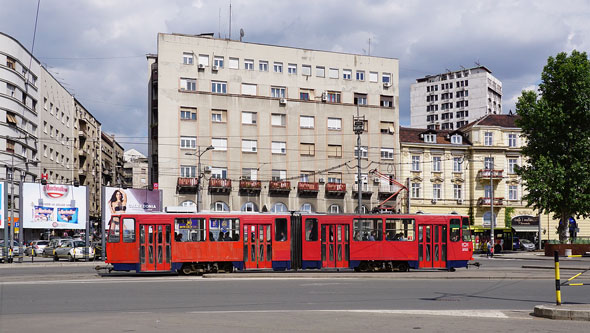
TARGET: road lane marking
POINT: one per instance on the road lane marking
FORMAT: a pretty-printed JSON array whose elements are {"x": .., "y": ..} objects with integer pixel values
[{"x": 496, "y": 314}]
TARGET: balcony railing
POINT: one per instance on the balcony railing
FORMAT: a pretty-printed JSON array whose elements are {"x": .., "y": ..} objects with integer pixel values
[
  {"x": 486, "y": 201},
  {"x": 279, "y": 186},
  {"x": 335, "y": 189},
  {"x": 306, "y": 188},
  {"x": 217, "y": 185},
  {"x": 250, "y": 185},
  {"x": 486, "y": 173},
  {"x": 366, "y": 193}
]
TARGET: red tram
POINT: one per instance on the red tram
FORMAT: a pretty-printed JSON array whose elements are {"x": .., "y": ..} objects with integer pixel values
[{"x": 214, "y": 242}]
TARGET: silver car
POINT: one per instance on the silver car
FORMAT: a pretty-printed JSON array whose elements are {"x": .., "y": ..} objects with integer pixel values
[
  {"x": 38, "y": 246},
  {"x": 53, "y": 244},
  {"x": 72, "y": 250}
]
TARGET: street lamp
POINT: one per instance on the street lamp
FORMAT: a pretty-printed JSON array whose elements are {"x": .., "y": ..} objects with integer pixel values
[{"x": 199, "y": 154}]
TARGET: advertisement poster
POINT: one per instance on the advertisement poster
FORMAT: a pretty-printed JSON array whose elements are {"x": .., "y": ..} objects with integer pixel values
[
  {"x": 54, "y": 206},
  {"x": 2, "y": 207},
  {"x": 131, "y": 200}
]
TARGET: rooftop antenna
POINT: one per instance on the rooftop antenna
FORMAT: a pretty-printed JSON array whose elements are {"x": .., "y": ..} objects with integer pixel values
[
  {"x": 241, "y": 34},
  {"x": 369, "y": 46},
  {"x": 219, "y": 25},
  {"x": 230, "y": 20},
  {"x": 477, "y": 63}
]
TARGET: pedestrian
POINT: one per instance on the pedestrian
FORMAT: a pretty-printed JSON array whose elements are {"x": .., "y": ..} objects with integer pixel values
[{"x": 489, "y": 249}]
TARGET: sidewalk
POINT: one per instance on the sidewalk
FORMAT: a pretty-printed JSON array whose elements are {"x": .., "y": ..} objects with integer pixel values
[{"x": 563, "y": 312}]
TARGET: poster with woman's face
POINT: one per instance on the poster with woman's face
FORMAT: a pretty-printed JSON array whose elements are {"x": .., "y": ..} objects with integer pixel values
[{"x": 131, "y": 200}]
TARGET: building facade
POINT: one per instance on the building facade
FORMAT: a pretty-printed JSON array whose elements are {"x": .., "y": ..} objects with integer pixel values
[
  {"x": 135, "y": 170},
  {"x": 111, "y": 160},
  {"x": 279, "y": 119},
  {"x": 450, "y": 100}
]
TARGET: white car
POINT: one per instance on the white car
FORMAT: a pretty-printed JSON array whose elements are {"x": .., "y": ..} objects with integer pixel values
[{"x": 72, "y": 250}]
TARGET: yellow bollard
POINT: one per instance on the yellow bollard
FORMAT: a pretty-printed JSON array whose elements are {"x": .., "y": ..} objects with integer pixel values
[{"x": 557, "y": 283}]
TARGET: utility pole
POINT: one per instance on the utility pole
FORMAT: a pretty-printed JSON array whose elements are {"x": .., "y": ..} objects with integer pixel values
[
  {"x": 493, "y": 220},
  {"x": 358, "y": 127}
]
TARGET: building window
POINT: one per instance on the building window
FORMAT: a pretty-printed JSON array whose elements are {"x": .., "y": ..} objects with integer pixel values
[
  {"x": 436, "y": 163},
  {"x": 307, "y": 149},
  {"x": 277, "y": 92},
  {"x": 188, "y": 171},
  {"x": 218, "y": 116},
  {"x": 415, "y": 190},
  {"x": 248, "y": 118},
  {"x": 488, "y": 163},
  {"x": 248, "y": 89},
  {"x": 278, "y": 119},
  {"x": 249, "y": 174},
  {"x": 430, "y": 138},
  {"x": 512, "y": 192},
  {"x": 187, "y": 58},
  {"x": 386, "y": 127},
  {"x": 306, "y": 70},
  {"x": 512, "y": 163},
  {"x": 279, "y": 207},
  {"x": 203, "y": 60},
  {"x": 373, "y": 77},
  {"x": 387, "y": 153},
  {"x": 360, "y": 99},
  {"x": 306, "y": 122},
  {"x": 364, "y": 152},
  {"x": 512, "y": 140},
  {"x": 10, "y": 89},
  {"x": 333, "y": 73},
  {"x": 219, "y": 143},
  {"x": 386, "y": 101},
  {"x": 188, "y": 142},
  {"x": 436, "y": 191},
  {"x": 234, "y": 63},
  {"x": 415, "y": 163},
  {"x": 185, "y": 85},
  {"x": 249, "y": 207},
  {"x": 219, "y": 87},
  {"x": 292, "y": 69},
  {"x": 249, "y": 64},
  {"x": 457, "y": 164},
  {"x": 335, "y": 178},
  {"x": 10, "y": 147},
  {"x": 347, "y": 74},
  {"x": 263, "y": 66},
  {"x": 456, "y": 139},
  {"x": 219, "y": 206},
  {"x": 218, "y": 173},
  {"x": 320, "y": 71},
  {"x": 11, "y": 119},
  {"x": 333, "y": 97},
  {"x": 278, "y": 175},
  {"x": 334, "y": 151},
  {"x": 334, "y": 209},
  {"x": 279, "y": 147},
  {"x": 278, "y": 67},
  {"x": 188, "y": 113},
  {"x": 10, "y": 63},
  {"x": 360, "y": 75},
  {"x": 218, "y": 61},
  {"x": 249, "y": 146},
  {"x": 386, "y": 78},
  {"x": 457, "y": 191},
  {"x": 488, "y": 139},
  {"x": 335, "y": 124},
  {"x": 487, "y": 190}
]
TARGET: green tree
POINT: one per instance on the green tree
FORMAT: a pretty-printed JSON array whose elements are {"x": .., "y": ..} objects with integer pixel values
[{"x": 556, "y": 127}]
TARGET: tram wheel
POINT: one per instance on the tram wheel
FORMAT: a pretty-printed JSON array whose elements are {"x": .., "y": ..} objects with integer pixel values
[
  {"x": 186, "y": 269},
  {"x": 403, "y": 267},
  {"x": 363, "y": 266}
]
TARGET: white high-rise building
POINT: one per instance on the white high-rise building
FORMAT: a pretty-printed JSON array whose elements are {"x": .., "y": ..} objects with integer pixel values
[{"x": 450, "y": 100}]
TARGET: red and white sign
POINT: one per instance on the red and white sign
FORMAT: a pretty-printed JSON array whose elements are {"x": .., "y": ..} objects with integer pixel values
[
  {"x": 55, "y": 191},
  {"x": 156, "y": 186}
]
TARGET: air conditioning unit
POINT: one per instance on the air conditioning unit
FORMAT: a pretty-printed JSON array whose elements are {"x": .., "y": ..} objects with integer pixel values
[
  {"x": 433, "y": 201},
  {"x": 324, "y": 97},
  {"x": 215, "y": 68},
  {"x": 201, "y": 66},
  {"x": 376, "y": 180},
  {"x": 386, "y": 84},
  {"x": 321, "y": 180},
  {"x": 283, "y": 101},
  {"x": 460, "y": 201},
  {"x": 207, "y": 169}
]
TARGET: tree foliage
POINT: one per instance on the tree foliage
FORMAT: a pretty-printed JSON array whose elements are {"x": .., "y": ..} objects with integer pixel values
[{"x": 556, "y": 127}]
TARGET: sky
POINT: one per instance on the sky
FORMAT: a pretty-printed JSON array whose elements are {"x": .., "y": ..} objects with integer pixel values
[{"x": 97, "y": 48}]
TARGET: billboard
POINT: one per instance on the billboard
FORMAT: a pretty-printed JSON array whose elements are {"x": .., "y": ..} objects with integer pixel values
[
  {"x": 2, "y": 205},
  {"x": 54, "y": 206},
  {"x": 131, "y": 200}
]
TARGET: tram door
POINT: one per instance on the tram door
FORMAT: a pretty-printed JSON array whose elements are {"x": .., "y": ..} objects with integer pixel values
[
  {"x": 335, "y": 245},
  {"x": 432, "y": 246},
  {"x": 257, "y": 246},
  {"x": 154, "y": 247}
]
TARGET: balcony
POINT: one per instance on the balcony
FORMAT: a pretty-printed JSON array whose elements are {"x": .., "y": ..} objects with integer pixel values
[
  {"x": 308, "y": 189},
  {"x": 485, "y": 174},
  {"x": 250, "y": 187},
  {"x": 219, "y": 186},
  {"x": 384, "y": 191},
  {"x": 366, "y": 194},
  {"x": 187, "y": 185},
  {"x": 486, "y": 201},
  {"x": 335, "y": 190},
  {"x": 279, "y": 187}
]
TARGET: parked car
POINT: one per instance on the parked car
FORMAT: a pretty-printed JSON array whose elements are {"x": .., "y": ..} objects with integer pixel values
[
  {"x": 38, "y": 245},
  {"x": 15, "y": 248},
  {"x": 527, "y": 245},
  {"x": 53, "y": 244},
  {"x": 72, "y": 250},
  {"x": 515, "y": 243}
]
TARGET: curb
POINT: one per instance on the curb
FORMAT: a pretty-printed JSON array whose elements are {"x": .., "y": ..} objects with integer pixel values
[
  {"x": 49, "y": 264},
  {"x": 563, "y": 312}
]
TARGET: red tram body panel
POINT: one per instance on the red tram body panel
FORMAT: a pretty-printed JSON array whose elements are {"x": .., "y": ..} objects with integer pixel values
[{"x": 212, "y": 242}]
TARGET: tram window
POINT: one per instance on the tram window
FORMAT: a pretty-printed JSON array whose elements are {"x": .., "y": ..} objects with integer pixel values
[
  {"x": 399, "y": 230},
  {"x": 311, "y": 230},
  {"x": 224, "y": 230},
  {"x": 466, "y": 230},
  {"x": 114, "y": 230},
  {"x": 189, "y": 230},
  {"x": 128, "y": 230},
  {"x": 281, "y": 230},
  {"x": 368, "y": 229},
  {"x": 455, "y": 230}
]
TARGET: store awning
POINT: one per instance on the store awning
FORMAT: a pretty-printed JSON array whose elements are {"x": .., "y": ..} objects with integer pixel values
[{"x": 525, "y": 228}]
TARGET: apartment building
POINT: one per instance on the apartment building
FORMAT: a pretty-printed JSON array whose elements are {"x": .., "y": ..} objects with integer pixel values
[
  {"x": 87, "y": 157},
  {"x": 450, "y": 100},
  {"x": 279, "y": 120},
  {"x": 19, "y": 116},
  {"x": 135, "y": 170},
  {"x": 111, "y": 160}
]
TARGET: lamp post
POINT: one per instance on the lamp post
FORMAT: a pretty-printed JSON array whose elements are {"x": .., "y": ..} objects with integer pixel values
[{"x": 199, "y": 154}]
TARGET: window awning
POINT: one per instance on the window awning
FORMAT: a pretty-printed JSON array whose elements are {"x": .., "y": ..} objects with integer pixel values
[{"x": 526, "y": 228}]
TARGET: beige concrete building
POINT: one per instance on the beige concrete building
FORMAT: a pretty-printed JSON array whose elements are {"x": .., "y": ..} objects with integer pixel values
[
  {"x": 135, "y": 170},
  {"x": 280, "y": 120},
  {"x": 87, "y": 156},
  {"x": 111, "y": 160}
]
